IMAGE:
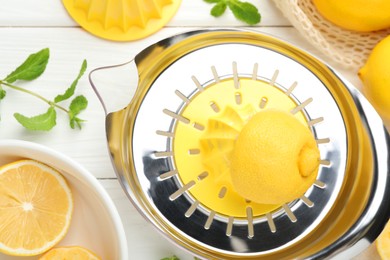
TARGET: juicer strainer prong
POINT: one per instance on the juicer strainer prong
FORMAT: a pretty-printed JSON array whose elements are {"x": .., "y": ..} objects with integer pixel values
[
  {"x": 319, "y": 184},
  {"x": 289, "y": 213},
  {"x": 301, "y": 106}
]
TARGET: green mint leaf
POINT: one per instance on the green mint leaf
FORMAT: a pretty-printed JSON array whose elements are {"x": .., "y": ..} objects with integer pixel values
[
  {"x": 43, "y": 122},
  {"x": 70, "y": 91},
  {"x": 77, "y": 105},
  {"x": 31, "y": 68},
  {"x": 213, "y": 1},
  {"x": 171, "y": 258},
  {"x": 218, "y": 9},
  {"x": 245, "y": 11},
  {"x": 2, "y": 93},
  {"x": 77, "y": 121}
]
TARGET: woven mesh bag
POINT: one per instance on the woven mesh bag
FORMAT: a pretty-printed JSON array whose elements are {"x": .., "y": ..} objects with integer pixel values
[{"x": 348, "y": 48}]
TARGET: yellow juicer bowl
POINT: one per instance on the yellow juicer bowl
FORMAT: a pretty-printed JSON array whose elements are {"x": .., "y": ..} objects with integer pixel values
[{"x": 122, "y": 20}]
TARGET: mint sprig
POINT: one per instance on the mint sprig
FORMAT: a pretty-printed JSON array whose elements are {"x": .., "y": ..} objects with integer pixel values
[
  {"x": 243, "y": 11},
  {"x": 32, "y": 68}
]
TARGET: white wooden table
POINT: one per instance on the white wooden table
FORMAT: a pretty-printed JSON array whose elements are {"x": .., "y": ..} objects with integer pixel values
[{"x": 27, "y": 26}]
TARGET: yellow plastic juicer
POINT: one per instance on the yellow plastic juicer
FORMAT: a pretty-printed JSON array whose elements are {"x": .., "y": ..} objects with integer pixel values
[
  {"x": 122, "y": 20},
  {"x": 171, "y": 148}
]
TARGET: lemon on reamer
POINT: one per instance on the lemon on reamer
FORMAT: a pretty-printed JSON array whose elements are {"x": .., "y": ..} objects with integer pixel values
[{"x": 275, "y": 158}]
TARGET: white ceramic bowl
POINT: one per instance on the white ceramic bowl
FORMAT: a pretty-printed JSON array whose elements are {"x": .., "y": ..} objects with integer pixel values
[{"x": 96, "y": 223}]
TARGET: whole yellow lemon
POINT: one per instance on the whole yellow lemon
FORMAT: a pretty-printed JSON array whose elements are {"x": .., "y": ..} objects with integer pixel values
[
  {"x": 357, "y": 15},
  {"x": 275, "y": 158},
  {"x": 375, "y": 75},
  {"x": 383, "y": 243}
]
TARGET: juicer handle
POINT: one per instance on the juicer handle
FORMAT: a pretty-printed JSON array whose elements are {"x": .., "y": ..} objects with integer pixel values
[{"x": 95, "y": 89}]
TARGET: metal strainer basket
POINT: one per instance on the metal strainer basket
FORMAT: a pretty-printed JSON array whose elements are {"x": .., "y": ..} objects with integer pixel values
[{"x": 170, "y": 147}]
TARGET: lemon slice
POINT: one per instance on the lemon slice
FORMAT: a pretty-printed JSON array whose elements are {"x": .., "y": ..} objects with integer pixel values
[
  {"x": 383, "y": 243},
  {"x": 36, "y": 208},
  {"x": 70, "y": 253}
]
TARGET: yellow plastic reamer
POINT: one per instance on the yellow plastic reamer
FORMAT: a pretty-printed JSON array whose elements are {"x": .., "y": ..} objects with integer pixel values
[
  {"x": 203, "y": 148},
  {"x": 122, "y": 20}
]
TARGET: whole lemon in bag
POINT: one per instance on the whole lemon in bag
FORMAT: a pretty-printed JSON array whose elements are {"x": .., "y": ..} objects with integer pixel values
[
  {"x": 357, "y": 15},
  {"x": 375, "y": 75}
]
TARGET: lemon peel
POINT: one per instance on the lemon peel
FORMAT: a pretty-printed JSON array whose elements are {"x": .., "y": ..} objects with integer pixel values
[
  {"x": 70, "y": 252},
  {"x": 383, "y": 243},
  {"x": 275, "y": 158},
  {"x": 356, "y": 15},
  {"x": 375, "y": 75}
]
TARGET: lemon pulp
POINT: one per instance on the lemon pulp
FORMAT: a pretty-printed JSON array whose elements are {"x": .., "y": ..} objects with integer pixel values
[
  {"x": 203, "y": 147},
  {"x": 36, "y": 208}
]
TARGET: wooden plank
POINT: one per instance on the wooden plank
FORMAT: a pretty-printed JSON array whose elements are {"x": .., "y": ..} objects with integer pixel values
[
  {"x": 143, "y": 240},
  {"x": 34, "y": 13},
  {"x": 197, "y": 13},
  {"x": 192, "y": 13}
]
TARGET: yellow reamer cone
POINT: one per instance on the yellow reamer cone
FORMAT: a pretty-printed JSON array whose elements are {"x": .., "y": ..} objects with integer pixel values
[{"x": 122, "y": 20}]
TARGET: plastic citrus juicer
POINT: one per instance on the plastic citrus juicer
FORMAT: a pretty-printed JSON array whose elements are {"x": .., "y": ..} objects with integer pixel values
[
  {"x": 122, "y": 20},
  {"x": 171, "y": 147}
]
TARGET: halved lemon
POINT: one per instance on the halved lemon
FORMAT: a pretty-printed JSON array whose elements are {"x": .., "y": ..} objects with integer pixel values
[
  {"x": 70, "y": 253},
  {"x": 383, "y": 243},
  {"x": 36, "y": 208}
]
